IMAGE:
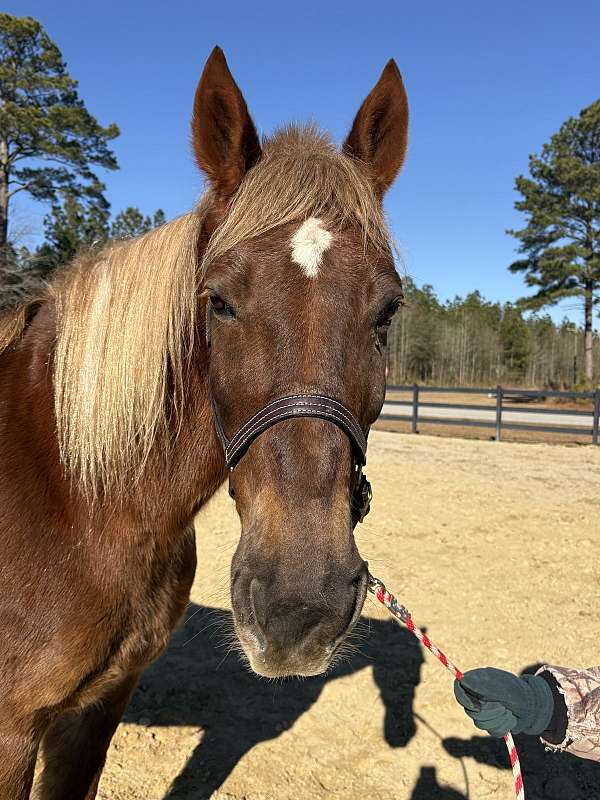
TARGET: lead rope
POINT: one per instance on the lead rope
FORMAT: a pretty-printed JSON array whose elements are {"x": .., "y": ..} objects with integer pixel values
[{"x": 402, "y": 614}]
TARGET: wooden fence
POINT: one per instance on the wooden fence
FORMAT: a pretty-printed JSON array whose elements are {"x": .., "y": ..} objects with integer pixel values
[{"x": 499, "y": 423}]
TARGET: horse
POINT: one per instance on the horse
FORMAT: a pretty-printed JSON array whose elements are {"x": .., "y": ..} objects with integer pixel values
[{"x": 123, "y": 386}]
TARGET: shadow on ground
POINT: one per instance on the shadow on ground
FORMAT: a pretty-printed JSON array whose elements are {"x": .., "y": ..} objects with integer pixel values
[
  {"x": 428, "y": 788},
  {"x": 196, "y": 683}
]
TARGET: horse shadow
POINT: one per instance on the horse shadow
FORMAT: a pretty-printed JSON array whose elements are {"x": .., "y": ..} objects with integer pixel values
[
  {"x": 546, "y": 775},
  {"x": 197, "y": 683}
]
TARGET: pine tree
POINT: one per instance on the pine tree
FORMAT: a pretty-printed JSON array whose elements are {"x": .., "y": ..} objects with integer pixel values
[
  {"x": 131, "y": 222},
  {"x": 423, "y": 305},
  {"x": 561, "y": 201},
  {"x": 49, "y": 142},
  {"x": 71, "y": 226},
  {"x": 515, "y": 342}
]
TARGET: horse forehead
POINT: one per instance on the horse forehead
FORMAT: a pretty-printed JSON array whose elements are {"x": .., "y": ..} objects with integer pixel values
[
  {"x": 302, "y": 257},
  {"x": 309, "y": 243}
]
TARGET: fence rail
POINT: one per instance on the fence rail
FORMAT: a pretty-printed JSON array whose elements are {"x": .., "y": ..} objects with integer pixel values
[{"x": 501, "y": 417}]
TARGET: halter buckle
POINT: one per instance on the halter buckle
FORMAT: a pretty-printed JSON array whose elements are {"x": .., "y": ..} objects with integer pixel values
[{"x": 361, "y": 498}]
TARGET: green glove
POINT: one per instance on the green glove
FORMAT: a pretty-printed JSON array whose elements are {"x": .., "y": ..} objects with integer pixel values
[{"x": 498, "y": 701}]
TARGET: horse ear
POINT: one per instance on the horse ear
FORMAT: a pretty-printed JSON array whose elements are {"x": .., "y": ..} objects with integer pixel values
[
  {"x": 223, "y": 135},
  {"x": 379, "y": 132}
]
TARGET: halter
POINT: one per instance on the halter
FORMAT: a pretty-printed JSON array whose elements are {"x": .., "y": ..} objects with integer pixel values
[{"x": 301, "y": 405}]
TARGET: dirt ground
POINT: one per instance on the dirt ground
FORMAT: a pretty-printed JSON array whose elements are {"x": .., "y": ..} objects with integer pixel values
[{"x": 493, "y": 546}]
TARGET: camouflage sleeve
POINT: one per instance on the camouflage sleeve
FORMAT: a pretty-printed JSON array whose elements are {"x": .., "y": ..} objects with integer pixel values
[{"x": 581, "y": 691}]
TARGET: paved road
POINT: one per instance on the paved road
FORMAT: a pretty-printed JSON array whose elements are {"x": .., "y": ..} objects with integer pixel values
[{"x": 508, "y": 415}]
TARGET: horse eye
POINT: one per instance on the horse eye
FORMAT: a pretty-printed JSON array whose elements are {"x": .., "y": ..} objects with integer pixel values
[
  {"x": 381, "y": 335},
  {"x": 219, "y": 306},
  {"x": 384, "y": 321}
]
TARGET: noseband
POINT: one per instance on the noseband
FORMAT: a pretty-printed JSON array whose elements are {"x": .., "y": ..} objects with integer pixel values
[{"x": 302, "y": 405}]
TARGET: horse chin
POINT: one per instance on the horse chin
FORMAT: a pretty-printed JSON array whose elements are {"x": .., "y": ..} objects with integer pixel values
[
  {"x": 287, "y": 666},
  {"x": 306, "y": 672}
]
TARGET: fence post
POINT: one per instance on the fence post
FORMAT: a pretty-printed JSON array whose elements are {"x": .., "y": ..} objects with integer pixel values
[
  {"x": 596, "y": 422},
  {"x": 498, "y": 413},
  {"x": 415, "y": 409}
]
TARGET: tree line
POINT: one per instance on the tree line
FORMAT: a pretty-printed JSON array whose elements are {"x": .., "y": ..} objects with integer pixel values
[
  {"x": 473, "y": 342},
  {"x": 51, "y": 147}
]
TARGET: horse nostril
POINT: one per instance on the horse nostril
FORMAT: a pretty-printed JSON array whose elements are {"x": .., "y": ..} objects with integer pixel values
[
  {"x": 360, "y": 576},
  {"x": 231, "y": 492}
]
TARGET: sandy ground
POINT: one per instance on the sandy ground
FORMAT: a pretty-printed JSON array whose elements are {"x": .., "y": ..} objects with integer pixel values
[{"x": 494, "y": 547}]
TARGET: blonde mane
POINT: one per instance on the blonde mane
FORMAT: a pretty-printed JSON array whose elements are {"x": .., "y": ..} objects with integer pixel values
[
  {"x": 125, "y": 326},
  {"x": 126, "y": 316}
]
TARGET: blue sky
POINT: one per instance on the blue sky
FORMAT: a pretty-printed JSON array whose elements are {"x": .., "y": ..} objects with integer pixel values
[{"x": 488, "y": 84}]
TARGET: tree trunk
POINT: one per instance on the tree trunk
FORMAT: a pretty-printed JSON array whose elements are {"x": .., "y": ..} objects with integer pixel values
[
  {"x": 3, "y": 203},
  {"x": 589, "y": 334}
]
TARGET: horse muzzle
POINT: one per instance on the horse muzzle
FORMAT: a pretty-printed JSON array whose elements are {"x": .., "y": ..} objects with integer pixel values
[{"x": 285, "y": 632}]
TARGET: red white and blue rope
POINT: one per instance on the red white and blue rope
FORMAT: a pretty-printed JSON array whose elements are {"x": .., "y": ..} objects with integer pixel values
[{"x": 402, "y": 614}]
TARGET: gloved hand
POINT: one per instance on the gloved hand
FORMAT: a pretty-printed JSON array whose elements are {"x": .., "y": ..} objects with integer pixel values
[{"x": 498, "y": 701}]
